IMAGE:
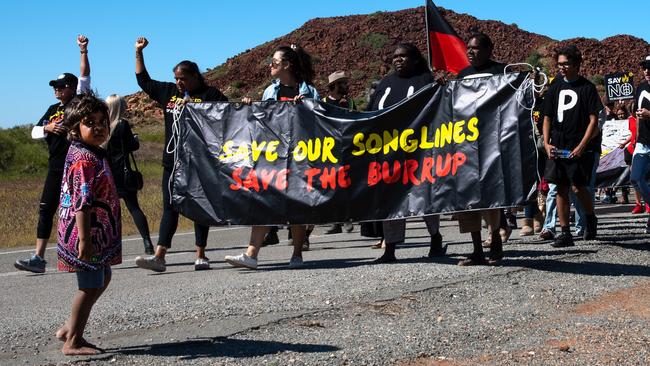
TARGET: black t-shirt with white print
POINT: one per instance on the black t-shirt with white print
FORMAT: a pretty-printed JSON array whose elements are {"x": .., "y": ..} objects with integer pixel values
[
  {"x": 167, "y": 96},
  {"x": 393, "y": 88},
  {"x": 642, "y": 99},
  {"x": 57, "y": 144},
  {"x": 569, "y": 105},
  {"x": 489, "y": 68}
]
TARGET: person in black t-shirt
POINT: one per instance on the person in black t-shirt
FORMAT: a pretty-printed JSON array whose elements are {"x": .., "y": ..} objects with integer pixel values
[
  {"x": 51, "y": 127},
  {"x": 641, "y": 157},
  {"x": 189, "y": 87},
  {"x": 411, "y": 74},
  {"x": 479, "y": 53},
  {"x": 338, "y": 87},
  {"x": 571, "y": 109}
]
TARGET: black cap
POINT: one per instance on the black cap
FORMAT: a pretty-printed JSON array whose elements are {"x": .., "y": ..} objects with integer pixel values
[
  {"x": 65, "y": 79},
  {"x": 645, "y": 62}
]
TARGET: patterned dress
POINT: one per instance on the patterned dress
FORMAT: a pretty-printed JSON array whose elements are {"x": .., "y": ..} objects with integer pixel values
[{"x": 88, "y": 182}]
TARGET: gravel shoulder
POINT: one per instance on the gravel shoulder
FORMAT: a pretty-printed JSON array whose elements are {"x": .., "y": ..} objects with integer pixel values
[{"x": 543, "y": 306}]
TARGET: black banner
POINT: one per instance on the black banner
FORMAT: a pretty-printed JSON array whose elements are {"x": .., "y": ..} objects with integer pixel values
[{"x": 464, "y": 145}]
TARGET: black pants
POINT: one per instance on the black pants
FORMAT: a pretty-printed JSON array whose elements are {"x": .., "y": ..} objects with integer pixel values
[
  {"x": 49, "y": 203},
  {"x": 140, "y": 220},
  {"x": 169, "y": 221}
]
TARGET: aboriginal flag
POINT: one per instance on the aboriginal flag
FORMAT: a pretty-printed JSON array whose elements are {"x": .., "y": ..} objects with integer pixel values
[{"x": 446, "y": 50}]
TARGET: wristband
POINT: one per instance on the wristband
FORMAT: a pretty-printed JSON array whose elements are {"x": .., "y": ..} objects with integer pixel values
[{"x": 82, "y": 52}]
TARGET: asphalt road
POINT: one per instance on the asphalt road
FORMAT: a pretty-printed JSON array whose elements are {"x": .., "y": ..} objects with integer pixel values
[{"x": 582, "y": 305}]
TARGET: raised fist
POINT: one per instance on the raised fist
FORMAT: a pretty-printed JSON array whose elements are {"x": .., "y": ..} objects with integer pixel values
[
  {"x": 141, "y": 43},
  {"x": 82, "y": 41}
]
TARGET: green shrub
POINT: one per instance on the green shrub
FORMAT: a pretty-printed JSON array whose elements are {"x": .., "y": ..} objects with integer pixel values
[{"x": 374, "y": 40}]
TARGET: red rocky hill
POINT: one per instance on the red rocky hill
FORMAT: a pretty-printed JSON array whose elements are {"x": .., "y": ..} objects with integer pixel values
[{"x": 362, "y": 45}]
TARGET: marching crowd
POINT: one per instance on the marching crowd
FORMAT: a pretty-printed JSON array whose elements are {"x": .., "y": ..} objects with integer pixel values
[{"x": 91, "y": 143}]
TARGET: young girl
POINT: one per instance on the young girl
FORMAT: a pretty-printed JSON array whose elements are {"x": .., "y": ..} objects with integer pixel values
[
  {"x": 293, "y": 73},
  {"x": 89, "y": 230}
]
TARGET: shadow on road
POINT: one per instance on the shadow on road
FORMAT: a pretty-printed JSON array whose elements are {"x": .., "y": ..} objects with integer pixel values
[
  {"x": 220, "y": 347},
  {"x": 583, "y": 268}
]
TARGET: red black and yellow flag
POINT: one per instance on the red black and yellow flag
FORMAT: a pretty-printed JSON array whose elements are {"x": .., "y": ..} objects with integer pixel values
[{"x": 446, "y": 50}]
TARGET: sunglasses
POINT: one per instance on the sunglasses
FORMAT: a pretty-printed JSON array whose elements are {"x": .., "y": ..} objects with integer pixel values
[
  {"x": 564, "y": 64},
  {"x": 274, "y": 63}
]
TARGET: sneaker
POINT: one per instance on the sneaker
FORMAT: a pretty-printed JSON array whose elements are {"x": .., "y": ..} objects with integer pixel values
[
  {"x": 563, "y": 240},
  {"x": 296, "y": 262},
  {"x": 546, "y": 234},
  {"x": 607, "y": 200},
  {"x": 151, "y": 263},
  {"x": 34, "y": 264},
  {"x": 348, "y": 227},
  {"x": 334, "y": 229},
  {"x": 580, "y": 233},
  {"x": 591, "y": 229},
  {"x": 305, "y": 245},
  {"x": 637, "y": 209},
  {"x": 201, "y": 264},
  {"x": 241, "y": 260}
]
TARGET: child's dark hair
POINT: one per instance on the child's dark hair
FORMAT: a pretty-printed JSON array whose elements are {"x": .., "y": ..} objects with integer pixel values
[
  {"x": 80, "y": 108},
  {"x": 300, "y": 61},
  {"x": 482, "y": 39},
  {"x": 420, "y": 63},
  {"x": 190, "y": 68},
  {"x": 571, "y": 52}
]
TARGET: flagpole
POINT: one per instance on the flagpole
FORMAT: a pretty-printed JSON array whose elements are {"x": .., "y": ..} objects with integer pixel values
[{"x": 426, "y": 24}]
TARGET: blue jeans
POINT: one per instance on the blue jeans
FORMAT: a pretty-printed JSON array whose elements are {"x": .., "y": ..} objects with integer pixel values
[
  {"x": 551, "y": 208},
  {"x": 581, "y": 215},
  {"x": 640, "y": 168}
]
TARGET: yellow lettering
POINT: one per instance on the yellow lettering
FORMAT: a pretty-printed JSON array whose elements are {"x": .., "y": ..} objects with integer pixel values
[
  {"x": 271, "y": 148},
  {"x": 373, "y": 144},
  {"x": 472, "y": 126},
  {"x": 357, "y": 141},
  {"x": 257, "y": 149},
  {"x": 328, "y": 145},
  {"x": 459, "y": 135},
  {"x": 300, "y": 151},
  {"x": 391, "y": 141},
  {"x": 446, "y": 133},
  {"x": 226, "y": 149},
  {"x": 424, "y": 143},
  {"x": 408, "y": 145}
]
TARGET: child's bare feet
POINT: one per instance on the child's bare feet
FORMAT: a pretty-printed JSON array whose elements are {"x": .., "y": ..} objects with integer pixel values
[
  {"x": 62, "y": 335},
  {"x": 79, "y": 350}
]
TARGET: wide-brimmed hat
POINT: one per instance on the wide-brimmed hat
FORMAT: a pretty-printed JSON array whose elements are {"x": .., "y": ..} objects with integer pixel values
[
  {"x": 336, "y": 76},
  {"x": 63, "y": 80}
]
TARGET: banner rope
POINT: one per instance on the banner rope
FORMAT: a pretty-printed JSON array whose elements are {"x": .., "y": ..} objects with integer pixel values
[
  {"x": 529, "y": 83},
  {"x": 172, "y": 145}
]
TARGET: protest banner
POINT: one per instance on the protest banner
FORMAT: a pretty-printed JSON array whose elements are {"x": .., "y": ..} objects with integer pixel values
[{"x": 464, "y": 145}]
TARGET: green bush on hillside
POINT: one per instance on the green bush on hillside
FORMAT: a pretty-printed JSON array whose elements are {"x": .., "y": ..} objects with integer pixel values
[
  {"x": 374, "y": 40},
  {"x": 19, "y": 154}
]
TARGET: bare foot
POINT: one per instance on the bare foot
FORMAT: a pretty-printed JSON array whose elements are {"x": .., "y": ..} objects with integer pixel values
[
  {"x": 77, "y": 350},
  {"x": 62, "y": 335}
]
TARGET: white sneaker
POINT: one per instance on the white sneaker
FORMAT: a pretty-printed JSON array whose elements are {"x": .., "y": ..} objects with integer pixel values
[
  {"x": 151, "y": 263},
  {"x": 241, "y": 260},
  {"x": 201, "y": 264},
  {"x": 296, "y": 262}
]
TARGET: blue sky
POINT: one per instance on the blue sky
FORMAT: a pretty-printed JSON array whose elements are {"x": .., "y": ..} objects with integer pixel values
[{"x": 38, "y": 37}]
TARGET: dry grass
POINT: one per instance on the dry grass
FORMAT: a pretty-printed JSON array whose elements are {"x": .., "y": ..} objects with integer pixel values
[{"x": 19, "y": 197}]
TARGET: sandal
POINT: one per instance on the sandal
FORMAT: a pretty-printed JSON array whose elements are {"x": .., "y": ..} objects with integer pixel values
[{"x": 380, "y": 245}]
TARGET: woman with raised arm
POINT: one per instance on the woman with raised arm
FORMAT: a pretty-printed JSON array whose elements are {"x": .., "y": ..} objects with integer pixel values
[{"x": 189, "y": 85}]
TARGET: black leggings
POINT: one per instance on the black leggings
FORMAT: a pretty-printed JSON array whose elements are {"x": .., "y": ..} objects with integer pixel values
[
  {"x": 140, "y": 220},
  {"x": 49, "y": 203},
  {"x": 169, "y": 221}
]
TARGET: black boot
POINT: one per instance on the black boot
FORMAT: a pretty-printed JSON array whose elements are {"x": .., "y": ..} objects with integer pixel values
[
  {"x": 271, "y": 237},
  {"x": 388, "y": 256},
  {"x": 591, "y": 229},
  {"x": 436, "y": 249},
  {"x": 148, "y": 246}
]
